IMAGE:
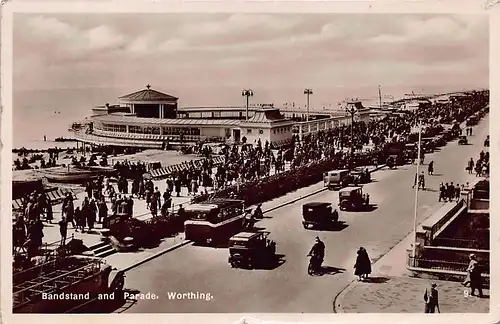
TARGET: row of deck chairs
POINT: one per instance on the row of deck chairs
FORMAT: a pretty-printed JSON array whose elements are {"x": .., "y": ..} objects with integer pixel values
[
  {"x": 168, "y": 170},
  {"x": 55, "y": 196}
]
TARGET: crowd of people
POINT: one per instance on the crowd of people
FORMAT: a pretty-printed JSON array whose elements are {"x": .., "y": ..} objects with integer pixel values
[
  {"x": 481, "y": 167},
  {"x": 243, "y": 163}
]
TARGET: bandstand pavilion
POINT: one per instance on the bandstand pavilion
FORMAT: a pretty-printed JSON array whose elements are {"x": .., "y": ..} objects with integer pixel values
[
  {"x": 149, "y": 103},
  {"x": 149, "y": 119}
]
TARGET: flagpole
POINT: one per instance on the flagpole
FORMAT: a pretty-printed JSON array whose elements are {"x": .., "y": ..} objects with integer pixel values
[{"x": 416, "y": 190}]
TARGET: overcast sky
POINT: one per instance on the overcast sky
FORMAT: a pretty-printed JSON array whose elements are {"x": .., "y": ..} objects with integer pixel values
[{"x": 210, "y": 58}]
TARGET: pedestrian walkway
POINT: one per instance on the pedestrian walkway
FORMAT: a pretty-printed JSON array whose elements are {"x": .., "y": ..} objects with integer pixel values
[
  {"x": 406, "y": 295},
  {"x": 392, "y": 290}
]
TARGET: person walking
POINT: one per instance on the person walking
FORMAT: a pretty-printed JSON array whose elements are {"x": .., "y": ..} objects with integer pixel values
[
  {"x": 177, "y": 184},
  {"x": 153, "y": 207},
  {"x": 474, "y": 276},
  {"x": 451, "y": 192},
  {"x": 457, "y": 191},
  {"x": 421, "y": 181},
  {"x": 431, "y": 299},
  {"x": 69, "y": 210},
  {"x": 430, "y": 168},
  {"x": 63, "y": 230},
  {"x": 442, "y": 192},
  {"x": 470, "y": 166},
  {"x": 50, "y": 213},
  {"x": 363, "y": 265},
  {"x": 103, "y": 211}
]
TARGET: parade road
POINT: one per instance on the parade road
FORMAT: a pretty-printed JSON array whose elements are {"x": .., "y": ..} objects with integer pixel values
[{"x": 289, "y": 288}]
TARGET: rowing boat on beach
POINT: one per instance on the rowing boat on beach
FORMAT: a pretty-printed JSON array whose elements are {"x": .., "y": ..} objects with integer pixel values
[{"x": 76, "y": 174}]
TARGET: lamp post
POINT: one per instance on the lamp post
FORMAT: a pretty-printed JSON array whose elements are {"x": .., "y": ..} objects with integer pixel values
[
  {"x": 416, "y": 189},
  {"x": 308, "y": 92},
  {"x": 247, "y": 93},
  {"x": 351, "y": 109}
]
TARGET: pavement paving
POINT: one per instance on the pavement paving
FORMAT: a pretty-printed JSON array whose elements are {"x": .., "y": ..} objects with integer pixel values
[
  {"x": 406, "y": 295},
  {"x": 288, "y": 288}
]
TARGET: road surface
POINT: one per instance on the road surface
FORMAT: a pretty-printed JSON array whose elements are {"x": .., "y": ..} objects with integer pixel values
[{"x": 289, "y": 288}]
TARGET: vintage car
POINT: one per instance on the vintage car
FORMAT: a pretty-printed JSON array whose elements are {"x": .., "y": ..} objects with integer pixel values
[
  {"x": 358, "y": 176},
  {"x": 336, "y": 179},
  {"x": 462, "y": 140},
  {"x": 427, "y": 145},
  {"x": 318, "y": 214},
  {"x": 251, "y": 250},
  {"x": 352, "y": 198}
]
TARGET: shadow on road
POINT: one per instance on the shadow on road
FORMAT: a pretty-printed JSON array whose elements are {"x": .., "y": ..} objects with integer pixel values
[
  {"x": 266, "y": 265},
  {"x": 336, "y": 227},
  {"x": 437, "y": 175},
  {"x": 376, "y": 279},
  {"x": 328, "y": 270}
]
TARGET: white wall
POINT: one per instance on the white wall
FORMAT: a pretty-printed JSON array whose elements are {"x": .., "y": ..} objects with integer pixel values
[
  {"x": 212, "y": 131},
  {"x": 255, "y": 134},
  {"x": 277, "y": 135}
]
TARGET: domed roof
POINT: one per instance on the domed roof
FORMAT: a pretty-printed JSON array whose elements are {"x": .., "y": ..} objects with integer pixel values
[{"x": 148, "y": 94}]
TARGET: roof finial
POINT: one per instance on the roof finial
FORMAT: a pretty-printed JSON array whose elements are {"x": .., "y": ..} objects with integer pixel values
[{"x": 148, "y": 86}]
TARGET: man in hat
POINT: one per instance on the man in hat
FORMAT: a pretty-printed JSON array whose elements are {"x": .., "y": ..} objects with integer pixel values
[
  {"x": 474, "y": 276},
  {"x": 431, "y": 299}
]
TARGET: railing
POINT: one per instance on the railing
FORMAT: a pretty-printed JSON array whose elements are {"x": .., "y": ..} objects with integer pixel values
[
  {"x": 443, "y": 220},
  {"x": 27, "y": 294},
  {"x": 462, "y": 243},
  {"x": 442, "y": 265}
]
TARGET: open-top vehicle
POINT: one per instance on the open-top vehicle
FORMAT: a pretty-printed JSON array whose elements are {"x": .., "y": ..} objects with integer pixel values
[
  {"x": 252, "y": 250},
  {"x": 85, "y": 279},
  {"x": 352, "y": 198},
  {"x": 214, "y": 221},
  {"x": 318, "y": 214},
  {"x": 462, "y": 140}
]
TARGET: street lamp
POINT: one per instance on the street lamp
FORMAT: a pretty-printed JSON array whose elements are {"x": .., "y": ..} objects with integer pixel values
[
  {"x": 247, "y": 93},
  {"x": 351, "y": 109},
  {"x": 417, "y": 187},
  {"x": 308, "y": 92}
]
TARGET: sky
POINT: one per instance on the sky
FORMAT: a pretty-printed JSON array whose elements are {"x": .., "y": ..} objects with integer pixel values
[{"x": 207, "y": 59}]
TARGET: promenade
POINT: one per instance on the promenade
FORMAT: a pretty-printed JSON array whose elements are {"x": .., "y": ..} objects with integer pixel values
[
  {"x": 406, "y": 295},
  {"x": 288, "y": 288}
]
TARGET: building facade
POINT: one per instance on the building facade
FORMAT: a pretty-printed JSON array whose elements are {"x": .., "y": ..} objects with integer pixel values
[{"x": 149, "y": 119}]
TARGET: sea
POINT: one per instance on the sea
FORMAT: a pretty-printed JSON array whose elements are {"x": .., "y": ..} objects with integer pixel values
[{"x": 49, "y": 113}]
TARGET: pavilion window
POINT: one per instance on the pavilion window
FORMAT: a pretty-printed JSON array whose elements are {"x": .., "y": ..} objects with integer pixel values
[
  {"x": 114, "y": 128},
  {"x": 135, "y": 129}
]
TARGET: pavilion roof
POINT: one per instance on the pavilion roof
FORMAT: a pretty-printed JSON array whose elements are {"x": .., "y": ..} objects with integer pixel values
[{"x": 148, "y": 94}]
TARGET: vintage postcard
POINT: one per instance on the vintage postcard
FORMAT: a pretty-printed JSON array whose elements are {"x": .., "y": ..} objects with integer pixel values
[{"x": 246, "y": 160}]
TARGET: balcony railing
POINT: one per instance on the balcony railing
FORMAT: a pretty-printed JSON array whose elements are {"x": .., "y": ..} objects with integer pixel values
[
  {"x": 442, "y": 265},
  {"x": 462, "y": 243}
]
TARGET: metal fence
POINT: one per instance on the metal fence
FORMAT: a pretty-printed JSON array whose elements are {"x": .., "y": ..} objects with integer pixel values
[{"x": 442, "y": 265}]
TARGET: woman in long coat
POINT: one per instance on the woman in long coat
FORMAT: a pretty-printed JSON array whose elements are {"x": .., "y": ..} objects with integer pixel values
[{"x": 363, "y": 265}]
